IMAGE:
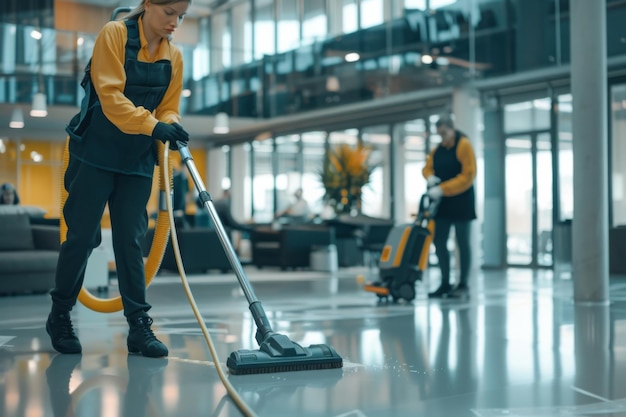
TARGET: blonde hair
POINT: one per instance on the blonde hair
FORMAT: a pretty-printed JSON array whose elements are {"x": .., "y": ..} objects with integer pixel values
[{"x": 138, "y": 11}]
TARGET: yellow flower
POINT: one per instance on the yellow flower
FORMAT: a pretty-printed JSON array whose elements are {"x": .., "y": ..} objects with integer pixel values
[{"x": 346, "y": 170}]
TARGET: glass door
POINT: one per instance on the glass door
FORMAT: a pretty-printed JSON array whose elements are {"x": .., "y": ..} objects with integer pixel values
[{"x": 528, "y": 173}]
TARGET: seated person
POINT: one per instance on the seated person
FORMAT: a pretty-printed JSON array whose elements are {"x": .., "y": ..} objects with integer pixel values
[
  {"x": 8, "y": 195},
  {"x": 296, "y": 212}
]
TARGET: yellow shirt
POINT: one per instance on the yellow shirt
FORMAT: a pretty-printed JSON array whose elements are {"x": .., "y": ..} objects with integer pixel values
[
  {"x": 465, "y": 179},
  {"x": 109, "y": 80}
]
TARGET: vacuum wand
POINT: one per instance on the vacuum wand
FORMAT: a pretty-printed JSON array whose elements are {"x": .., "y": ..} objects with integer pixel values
[
  {"x": 259, "y": 315},
  {"x": 277, "y": 352}
]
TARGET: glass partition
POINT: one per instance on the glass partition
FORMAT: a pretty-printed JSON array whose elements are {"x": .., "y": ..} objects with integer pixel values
[
  {"x": 313, "y": 154},
  {"x": 376, "y": 195},
  {"x": 519, "y": 199},
  {"x": 618, "y": 154},
  {"x": 263, "y": 181},
  {"x": 264, "y": 29},
  {"x": 314, "y": 21},
  {"x": 288, "y": 28},
  {"x": 241, "y": 28},
  {"x": 288, "y": 170},
  {"x": 434, "y": 43},
  {"x": 565, "y": 158},
  {"x": 415, "y": 137}
]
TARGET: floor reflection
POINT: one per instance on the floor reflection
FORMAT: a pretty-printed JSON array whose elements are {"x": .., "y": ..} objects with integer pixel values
[{"x": 519, "y": 347}]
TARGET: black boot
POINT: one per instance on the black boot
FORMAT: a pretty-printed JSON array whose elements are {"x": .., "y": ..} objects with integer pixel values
[
  {"x": 59, "y": 327},
  {"x": 441, "y": 292},
  {"x": 460, "y": 291},
  {"x": 142, "y": 340}
]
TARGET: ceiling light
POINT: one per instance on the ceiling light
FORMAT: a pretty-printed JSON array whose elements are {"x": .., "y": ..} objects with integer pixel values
[
  {"x": 17, "y": 119},
  {"x": 221, "y": 123},
  {"x": 40, "y": 108},
  {"x": 352, "y": 57}
]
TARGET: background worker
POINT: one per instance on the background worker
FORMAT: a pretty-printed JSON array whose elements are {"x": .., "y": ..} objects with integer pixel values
[
  {"x": 8, "y": 195},
  {"x": 450, "y": 171}
]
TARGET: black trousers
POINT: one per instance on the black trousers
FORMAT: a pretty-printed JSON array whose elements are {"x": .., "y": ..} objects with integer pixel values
[
  {"x": 462, "y": 229},
  {"x": 89, "y": 189}
]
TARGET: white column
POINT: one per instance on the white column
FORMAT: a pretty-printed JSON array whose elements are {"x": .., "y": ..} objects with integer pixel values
[
  {"x": 468, "y": 119},
  {"x": 590, "y": 226},
  {"x": 335, "y": 17},
  {"x": 239, "y": 172},
  {"x": 393, "y": 9},
  {"x": 399, "y": 181},
  {"x": 215, "y": 172}
]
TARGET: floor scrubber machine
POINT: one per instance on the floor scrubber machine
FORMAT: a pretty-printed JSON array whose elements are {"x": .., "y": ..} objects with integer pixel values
[{"x": 405, "y": 255}]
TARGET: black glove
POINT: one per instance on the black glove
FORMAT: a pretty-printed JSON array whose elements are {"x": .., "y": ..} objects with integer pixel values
[{"x": 172, "y": 133}]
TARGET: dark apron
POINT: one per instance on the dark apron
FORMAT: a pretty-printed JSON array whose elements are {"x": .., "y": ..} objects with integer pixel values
[
  {"x": 447, "y": 166},
  {"x": 98, "y": 142}
]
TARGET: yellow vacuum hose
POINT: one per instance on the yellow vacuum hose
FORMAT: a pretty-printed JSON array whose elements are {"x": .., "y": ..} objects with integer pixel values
[{"x": 157, "y": 249}]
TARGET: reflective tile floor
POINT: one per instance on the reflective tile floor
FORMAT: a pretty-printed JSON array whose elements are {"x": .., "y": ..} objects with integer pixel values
[{"x": 517, "y": 347}]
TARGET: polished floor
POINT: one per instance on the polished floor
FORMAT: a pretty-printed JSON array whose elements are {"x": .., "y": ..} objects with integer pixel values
[{"x": 518, "y": 347}]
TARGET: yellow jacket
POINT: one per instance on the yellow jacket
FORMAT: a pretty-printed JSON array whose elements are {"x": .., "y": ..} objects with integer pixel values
[{"x": 109, "y": 79}]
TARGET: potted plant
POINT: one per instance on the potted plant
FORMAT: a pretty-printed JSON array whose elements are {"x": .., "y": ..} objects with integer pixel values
[{"x": 347, "y": 169}]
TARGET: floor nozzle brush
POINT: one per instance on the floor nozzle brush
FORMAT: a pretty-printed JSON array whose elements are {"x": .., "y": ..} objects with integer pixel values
[
  {"x": 276, "y": 352},
  {"x": 279, "y": 354}
]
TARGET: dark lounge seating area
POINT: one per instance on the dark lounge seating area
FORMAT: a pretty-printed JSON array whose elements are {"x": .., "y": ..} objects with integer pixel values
[
  {"x": 200, "y": 250},
  {"x": 358, "y": 240},
  {"x": 288, "y": 247}
]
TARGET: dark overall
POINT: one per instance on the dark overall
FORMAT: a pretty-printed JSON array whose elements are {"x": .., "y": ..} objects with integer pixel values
[
  {"x": 457, "y": 211},
  {"x": 109, "y": 166}
]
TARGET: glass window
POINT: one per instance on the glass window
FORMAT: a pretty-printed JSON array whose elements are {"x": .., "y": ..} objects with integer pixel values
[
  {"x": 414, "y": 160},
  {"x": 241, "y": 33},
  {"x": 519, "y": 199},
  {"x": 415, "y": 4},
  {"x": 264, "y": 31},
  {"x": 372, "y": 13},
  {"x": 349, "y": 136},
  {"x": 220, "y": 51},
  {"x": 313, "y": 153},
  {"x": 288, "y": 172},
  {"x": 544, "y": 198},
  {"x": 263, "y": 182},
  {"x": 527, "y": 115},
  {"x": 618, "y": 153},
  {"x": 315, "y": 22},
  {"x": 350, "y": 19},
  {"x": 202, "y": 54},
  {"x": 288, "y": 25},
  {"x": 566, "y": 158},
  {"x": 376, "y": 193}
]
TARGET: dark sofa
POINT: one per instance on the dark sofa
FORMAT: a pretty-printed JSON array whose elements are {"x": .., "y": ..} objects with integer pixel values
[
  {"x": 28, "y": 255},
  {"x": 288, "y": 247},
  {"x": 200, "y": 250}
]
